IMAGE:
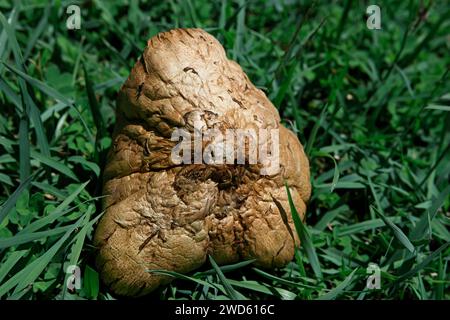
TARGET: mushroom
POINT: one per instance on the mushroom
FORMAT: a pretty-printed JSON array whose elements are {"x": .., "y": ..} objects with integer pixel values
[{"x": 165, "y": 215}]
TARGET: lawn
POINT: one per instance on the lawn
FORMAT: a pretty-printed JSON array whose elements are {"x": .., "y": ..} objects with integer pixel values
[{"x": 371, "y": 107}]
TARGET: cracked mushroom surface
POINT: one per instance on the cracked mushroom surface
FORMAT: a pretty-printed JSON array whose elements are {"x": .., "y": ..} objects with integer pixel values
[{"x": 167, "y": 216}]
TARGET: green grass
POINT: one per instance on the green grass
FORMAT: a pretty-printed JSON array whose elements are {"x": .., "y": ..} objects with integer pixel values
[{"x": 371, "y": 107}]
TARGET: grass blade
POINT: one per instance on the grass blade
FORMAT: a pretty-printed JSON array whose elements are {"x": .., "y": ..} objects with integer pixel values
[
  {"x": 398, "y": 233},
  {"x": 38, "y": 30},
  {"x": 28, "y": 237},
  {"x": 54, "y": 164},
  {"x": 24, "y": 149},
  {"x": 315, "y": 129},
  {"x": 187, "y": 278},
  {"x": 336, "y": 168},
  {"x": 91, "y": 283},
  {"x": 79, "y": 242},
  {"x": 334, "y": 293},
  {"x": 437, "y": 107},
  {"x": 89, "y": 164},
  {"x": 305, "y": 237},
  {"x": 30, "y": 108},
  {"x": 13, "y": 258},
  {"x": 363, "y": 226},
  {"x": 329, "y": 217},
  {"x": 27, "y": 275},
  {"x": 424, "y": 263},
  {"x": 283, "y": 281},
  {"x": 424, "y": 224},
  {"x": 9, "y": 204},
  {"x": 51, "y": 93},
  {"x": 264, "y": 288},
  {"x": 59, "y": 211},
  {"x": 226, "y": 268},
  {"x": 231, "y": 292}
]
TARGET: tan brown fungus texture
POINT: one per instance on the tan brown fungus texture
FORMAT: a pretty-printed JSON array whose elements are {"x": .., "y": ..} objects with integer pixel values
[{"x": 160, "y": 215}]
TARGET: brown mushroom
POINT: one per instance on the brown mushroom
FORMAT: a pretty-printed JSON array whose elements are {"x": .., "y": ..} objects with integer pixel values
[{"x": 164, "y": 215}]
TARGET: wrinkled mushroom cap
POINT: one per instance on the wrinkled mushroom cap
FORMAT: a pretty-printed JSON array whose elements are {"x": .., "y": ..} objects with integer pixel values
[{"x": 166, "y": 216}]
